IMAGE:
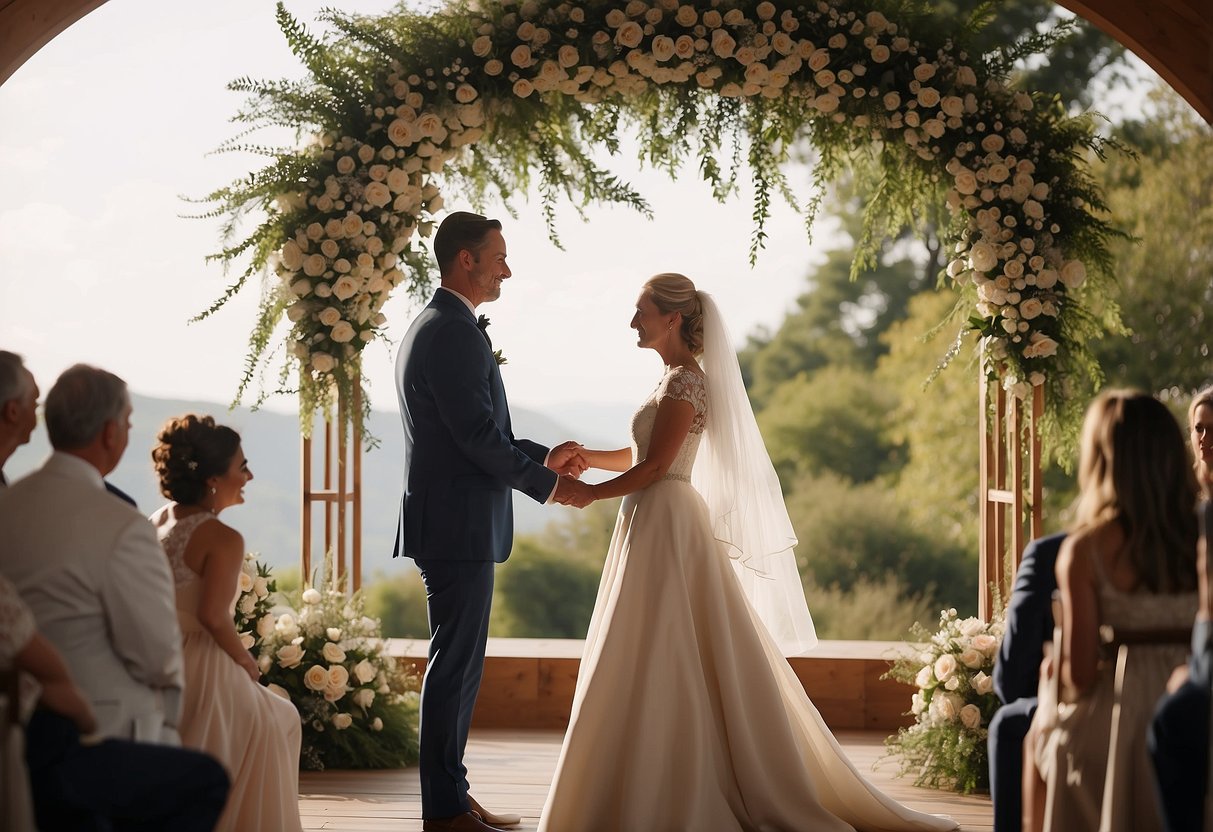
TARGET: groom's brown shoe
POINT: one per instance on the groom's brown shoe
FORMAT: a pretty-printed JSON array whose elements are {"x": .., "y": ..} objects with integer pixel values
[
  {"x": 492, "y": 818},
  {"x": 467, "y": 822}
]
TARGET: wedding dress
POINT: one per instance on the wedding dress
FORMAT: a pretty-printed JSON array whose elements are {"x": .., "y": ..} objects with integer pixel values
[
  {"x": 248, "y": 728},
  {"x": 686, "y": 715}
]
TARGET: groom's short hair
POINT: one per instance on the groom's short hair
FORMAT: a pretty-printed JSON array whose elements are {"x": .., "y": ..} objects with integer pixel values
[{"x": 461, "y": 231}]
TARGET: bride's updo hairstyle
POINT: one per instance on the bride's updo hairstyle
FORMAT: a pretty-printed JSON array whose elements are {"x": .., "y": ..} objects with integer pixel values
[
  {"x": 190, "y": 450},
  {"x": 676, "y": 293}
]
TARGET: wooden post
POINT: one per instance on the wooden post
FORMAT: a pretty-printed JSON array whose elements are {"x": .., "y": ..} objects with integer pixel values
[
  {"x": 1016, "y": 491},
  {"x": 340, "y": 497}
]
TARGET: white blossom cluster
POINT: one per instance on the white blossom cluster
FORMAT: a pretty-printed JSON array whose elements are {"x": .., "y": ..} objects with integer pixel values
[
  {"x": 955, "y": 675},
  {"x": 829, "y": 61}
]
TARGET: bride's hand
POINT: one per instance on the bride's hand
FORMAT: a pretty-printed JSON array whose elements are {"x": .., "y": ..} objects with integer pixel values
[{"x": 566, "y": 459}]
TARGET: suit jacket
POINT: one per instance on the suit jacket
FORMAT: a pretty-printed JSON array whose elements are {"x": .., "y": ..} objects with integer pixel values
[
  {"x": 1029, "y": 621},
  {"x": 461, "y": 459},
  {"x": 93, "y": 573}
]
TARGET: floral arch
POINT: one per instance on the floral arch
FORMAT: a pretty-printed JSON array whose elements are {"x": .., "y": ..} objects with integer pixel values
[{"x": 401, "y": 112}]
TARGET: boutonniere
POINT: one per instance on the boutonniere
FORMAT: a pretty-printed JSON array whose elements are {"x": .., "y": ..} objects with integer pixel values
[{"x": 483, "y": 323}]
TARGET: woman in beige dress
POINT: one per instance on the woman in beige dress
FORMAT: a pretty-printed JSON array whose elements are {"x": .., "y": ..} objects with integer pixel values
[
  {"x": 252, "y": 731},
  {"x": 1128, "y": 564},
  {"x": 1200, "y": 427}
]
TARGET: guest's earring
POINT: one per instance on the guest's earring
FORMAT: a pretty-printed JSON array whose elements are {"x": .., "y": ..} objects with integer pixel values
[{"x": 212, "y": 490}]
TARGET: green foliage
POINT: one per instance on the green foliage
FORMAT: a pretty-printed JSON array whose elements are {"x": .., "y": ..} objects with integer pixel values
[
  {"x": 852, "y": 533},
  {"x": 834, "y": 420},
  {"x": 543, "y": 594},
  {"x": 1164, "y": 197},
  {"x": 880, "y": 610},
  {"x": 399, "y": 603}
]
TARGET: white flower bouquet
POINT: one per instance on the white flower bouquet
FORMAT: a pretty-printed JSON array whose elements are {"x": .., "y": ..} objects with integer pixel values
[
  {"x": 946, "y": 745},
  {"x": 357, "y": 707}
]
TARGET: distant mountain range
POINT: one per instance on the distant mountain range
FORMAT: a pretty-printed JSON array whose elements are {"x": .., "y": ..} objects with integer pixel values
[{"x": 270, "y": 520}]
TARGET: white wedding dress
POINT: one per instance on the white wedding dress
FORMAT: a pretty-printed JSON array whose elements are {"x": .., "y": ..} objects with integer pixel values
[{"x": 687, "y": 717}]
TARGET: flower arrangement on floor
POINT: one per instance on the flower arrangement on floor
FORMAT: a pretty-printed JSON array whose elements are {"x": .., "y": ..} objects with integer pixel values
[
  {"x": 403, "y": 111},
  {"x": 946, "y": 746},
  {"x": 357, "y": 706}
]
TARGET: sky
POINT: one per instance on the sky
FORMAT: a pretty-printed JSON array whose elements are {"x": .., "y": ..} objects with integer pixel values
[{"x": 105, "y": 129}]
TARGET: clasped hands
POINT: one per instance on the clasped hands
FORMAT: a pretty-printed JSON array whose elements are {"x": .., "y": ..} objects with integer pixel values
[{"x": 567, "y": 460}]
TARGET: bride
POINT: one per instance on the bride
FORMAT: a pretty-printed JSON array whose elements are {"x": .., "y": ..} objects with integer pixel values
[{"x": 686, "y": 714}]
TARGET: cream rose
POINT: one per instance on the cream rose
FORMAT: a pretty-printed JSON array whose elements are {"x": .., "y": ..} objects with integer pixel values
[
  {"x": 1073, "y": 273},
  {"x": 364, "y": 672},
  {"x": 344, "y": 289},
  {"x": 945, "y": 666},
  {"x": 1040, "y": 346},
  {"x": 1046, "y": 279},
  {"x": 377, "y": 724},
  {"x": 265, "y": 625},
  {"x": 926, "y": 675},
  {"x": 338, "y": 676},
  {"x": 364, "y": 698},
  {"x": 289, "y": 656},
  {"x": 982, "y": 257},
  {"x": 330, "y": 315},
  {"x": 972, "y": 659},
  {"x": 970, "y": 717},
  {"x": 316, "y": 678},
  {"x": 342, "y": 333},
  {"x": 663, "y": 47},
  {"x": 244, "y": 582},
  {"x": 292, "y": 255},
  {"x": 629, "y": 35},
  {"x": 311, "y": 596},
  {"x": 1029, "y": 308},
  {"x": 523, "y": 88},
  {"x": 342, "y": 721},
  {"x": 986, "y": 643}
]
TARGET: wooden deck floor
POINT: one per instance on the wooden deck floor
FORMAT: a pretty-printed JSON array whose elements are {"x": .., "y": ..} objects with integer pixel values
[{"x": 513, "y": 769}]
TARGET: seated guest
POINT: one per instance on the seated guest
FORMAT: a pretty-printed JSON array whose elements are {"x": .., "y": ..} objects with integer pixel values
[
  {"x": 18, "y": 406},
  {"x": 251, "y": 730},
  {"x": 113, "y": 784},
  {"x": 90, "y": 567},
  {"x": 1179, "y": 734},
  {"x": 1029, "y": 624},
  {"x": 1129, "y": 563}
]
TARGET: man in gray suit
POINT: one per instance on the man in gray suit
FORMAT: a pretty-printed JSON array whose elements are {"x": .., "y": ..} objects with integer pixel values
[{"x": 90, "y": 567}]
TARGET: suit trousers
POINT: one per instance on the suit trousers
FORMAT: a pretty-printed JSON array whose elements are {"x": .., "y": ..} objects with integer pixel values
[
  {"x": 1008, "y": 728},
  {"x": 118, "y": 784},
  {"x": 1178, "y": 740},
  {"x": 459, "y": 595}
]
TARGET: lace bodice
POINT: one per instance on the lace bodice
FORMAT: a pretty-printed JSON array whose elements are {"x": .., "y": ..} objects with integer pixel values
[
  {"x": 1141, "y": 610},
  {"x": 175, "y": 542},
  {"x": 677, "y": 383}
]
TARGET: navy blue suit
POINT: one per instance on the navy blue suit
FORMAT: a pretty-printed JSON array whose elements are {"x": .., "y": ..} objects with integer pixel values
[
  {"x": 1029, "y": 625},
  {"x": 462, "y": 463},
  {"x": 1178, "y": 739}
]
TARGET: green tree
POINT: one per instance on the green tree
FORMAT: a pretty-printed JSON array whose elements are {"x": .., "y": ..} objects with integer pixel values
[
  {"x": 833, "y": 420},
  {"x": 399, "y": 603},
  {"x": 871, "y": 609},
  {"x": 543, "y": 594},
  {"x": 1164, "y": 198}
]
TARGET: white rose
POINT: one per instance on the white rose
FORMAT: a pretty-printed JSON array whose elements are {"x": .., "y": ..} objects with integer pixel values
[
  {"x": 316, "y": 678},
  {"x": 1040, "y": 346},
  {"x": 986, "y": 643},
  {"x": 364, "y": 672},
  {"x": 970, "y": 717},
  {"x": 1029, "y": 308},
  {"x": 982, "y": 257},
  {"x": 363, "y": 698},
  {"x": 338, "y": 676},
  {"x": 972, "y": 658},
  {"x": 311, "y": 595},
  {"x": 265, "y": 626},
  {"x": 244, "y": 582},
  {"x": 289, "y": 656},
  {"x": 1073, "y": 273},
  {"x": 314, "y": 265},
  {"x": 377, "y": 724},
  {"x": 333, "y": 652},
  {"x": 945, "y": 706},
  {"x": 629, "y": 35},
  {"x": 925, "y": 676},
  {"x": 982, "y": 684},
  {"x": 917, "y": 704},
  {"x": 342, "y": 721},
  {"x": 945, "y": 666}
]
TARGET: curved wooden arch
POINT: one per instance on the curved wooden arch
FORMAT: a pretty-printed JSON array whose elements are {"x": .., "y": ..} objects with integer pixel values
[{"x": 1172, "y": 36}]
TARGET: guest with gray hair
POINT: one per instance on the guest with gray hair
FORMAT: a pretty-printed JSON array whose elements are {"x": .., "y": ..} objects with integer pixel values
[
  {"x": 18, "y": 406},
  {"x": 90, "y": 567}
]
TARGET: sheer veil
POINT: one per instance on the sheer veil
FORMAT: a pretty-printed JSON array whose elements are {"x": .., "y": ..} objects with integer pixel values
[{"x": 737, "y": 480}]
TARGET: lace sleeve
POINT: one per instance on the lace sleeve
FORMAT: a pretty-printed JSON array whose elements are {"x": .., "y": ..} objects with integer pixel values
[
  {"x": 688, "y": 386},
  {"x": 16, "y": 623}
]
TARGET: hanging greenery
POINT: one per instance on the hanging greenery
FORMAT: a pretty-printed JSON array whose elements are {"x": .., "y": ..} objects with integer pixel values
[{"x": 401, "y": 111}]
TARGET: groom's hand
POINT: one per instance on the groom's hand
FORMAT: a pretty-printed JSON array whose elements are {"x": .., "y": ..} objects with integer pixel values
[
  {"x": 572, "y": 492},
  {"x": 566, "y": 459}
]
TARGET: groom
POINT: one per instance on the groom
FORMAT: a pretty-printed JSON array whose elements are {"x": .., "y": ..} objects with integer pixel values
[{"x": 456, "y": 518}]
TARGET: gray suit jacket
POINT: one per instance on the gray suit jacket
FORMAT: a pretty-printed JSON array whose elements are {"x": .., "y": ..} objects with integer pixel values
[{"x": 93, "y": 573}]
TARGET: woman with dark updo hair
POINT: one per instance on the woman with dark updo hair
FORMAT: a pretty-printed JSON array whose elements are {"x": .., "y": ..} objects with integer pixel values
[{"x": 226, "y": 711}]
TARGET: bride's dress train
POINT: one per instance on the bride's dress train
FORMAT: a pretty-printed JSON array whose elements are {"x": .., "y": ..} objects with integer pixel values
[{"x": 687, "y": 717}]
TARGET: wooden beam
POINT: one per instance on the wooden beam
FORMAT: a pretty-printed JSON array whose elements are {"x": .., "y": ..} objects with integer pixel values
[
  {"x": 28, "y": 25},
  {"x": 1175, "y": 37}
]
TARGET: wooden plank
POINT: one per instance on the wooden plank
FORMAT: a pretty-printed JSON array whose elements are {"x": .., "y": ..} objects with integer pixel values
[{"x": 511, "y": 771}]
